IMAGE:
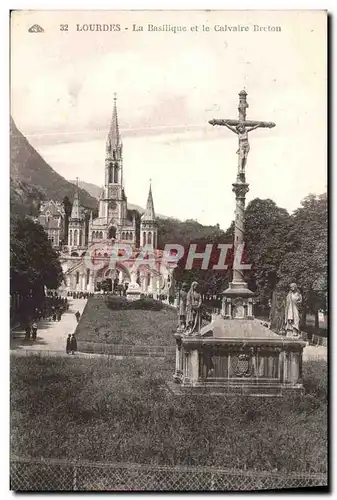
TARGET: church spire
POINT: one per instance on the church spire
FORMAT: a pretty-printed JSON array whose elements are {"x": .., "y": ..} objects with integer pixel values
[
  {"x": 114, "y": 139},
  {"x": 75, "y": 212},
  {"x": 149, "y": 214}
]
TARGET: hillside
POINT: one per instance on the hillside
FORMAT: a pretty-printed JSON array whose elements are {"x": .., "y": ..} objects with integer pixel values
[
  {"x": 92, "y": 189},
  {"x": 32, "y": 179},
  {"x": 189, "y": 231}
]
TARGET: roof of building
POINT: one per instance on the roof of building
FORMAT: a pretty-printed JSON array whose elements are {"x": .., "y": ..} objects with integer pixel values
[
  {"x": 75, "y": 211},
  {"x": 99, "y": 221},
  {"x": 114, "y": 138},
  {"x": 149, "y": 214},
  {"x": 49, "y": 223},
  {"x": 55, "y": 209},
  {"x": 245, "y": 329}
]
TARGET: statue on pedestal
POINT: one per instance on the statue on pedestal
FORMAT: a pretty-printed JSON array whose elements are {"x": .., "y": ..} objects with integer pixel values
[
  {"x": 193, "y": 308},
  {"x": 182, "y": 308},
  {"x": 292, "y": 317}
]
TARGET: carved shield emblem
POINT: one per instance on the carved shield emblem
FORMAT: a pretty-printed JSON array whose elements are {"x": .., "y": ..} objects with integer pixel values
[{"x": 241, "y": 365}]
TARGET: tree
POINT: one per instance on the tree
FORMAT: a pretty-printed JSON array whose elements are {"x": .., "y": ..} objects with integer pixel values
[
  {"x": 184, "y": 233},
  {"x": 211, "y": 281},
  {"x": 306, "y": 263},
  {"x": 34, "y": 263},
  {"x": 267, "y": 241}
]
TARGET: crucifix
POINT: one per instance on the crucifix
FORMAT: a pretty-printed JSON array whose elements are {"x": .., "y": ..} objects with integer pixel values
[{"x": 241, "y": 128}]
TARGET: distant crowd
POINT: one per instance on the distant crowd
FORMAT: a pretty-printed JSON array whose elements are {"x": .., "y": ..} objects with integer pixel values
[
  {"x": 80, "y": 295},
  {"x": 52, "y": 309}
]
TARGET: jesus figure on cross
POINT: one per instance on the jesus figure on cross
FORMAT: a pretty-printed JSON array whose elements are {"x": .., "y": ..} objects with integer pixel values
[
  {"x": 244, "y": 147},
  {"x": 241, "y": 128}
]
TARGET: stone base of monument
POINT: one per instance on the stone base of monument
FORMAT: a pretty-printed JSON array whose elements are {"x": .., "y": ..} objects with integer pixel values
[
  {"x": 221, "y": 389},
  {"x": 239, "y": 357}
]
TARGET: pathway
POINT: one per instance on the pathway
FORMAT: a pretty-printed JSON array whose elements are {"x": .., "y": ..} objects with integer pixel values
[
  {"x": 51, "y": 335},
  {"x": 315, "y": 353}
]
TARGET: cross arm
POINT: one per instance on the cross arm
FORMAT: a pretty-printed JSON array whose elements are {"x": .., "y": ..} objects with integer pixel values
[
  {"x": 225, "y": 123},
  {"x": 246, "y": 123}
]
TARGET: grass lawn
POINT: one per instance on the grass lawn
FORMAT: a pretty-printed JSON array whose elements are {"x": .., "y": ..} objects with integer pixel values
[
  {"x": 120, "y": 411},
  {"x": 134, "y": 327}
]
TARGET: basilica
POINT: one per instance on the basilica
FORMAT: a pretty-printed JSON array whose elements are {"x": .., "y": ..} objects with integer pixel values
[{"x": 86, "y": 259}]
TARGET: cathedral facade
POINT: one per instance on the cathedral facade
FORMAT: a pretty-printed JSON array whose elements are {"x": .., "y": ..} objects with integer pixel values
[{"x": 87, "y": 260}]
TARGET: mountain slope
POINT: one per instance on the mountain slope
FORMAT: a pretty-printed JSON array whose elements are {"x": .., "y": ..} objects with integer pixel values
[{"x": 33, "y": 179}]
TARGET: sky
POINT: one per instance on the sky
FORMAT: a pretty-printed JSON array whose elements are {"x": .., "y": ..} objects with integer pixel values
[{"x": 168, "y": 86}]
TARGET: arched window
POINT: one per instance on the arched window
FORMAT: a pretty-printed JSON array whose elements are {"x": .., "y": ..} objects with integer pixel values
[
  {"x": 144, "y": 238},
  {"x": 70, "y": 238},
  {"x": 93, "y": 235},
  {"x": 124, "y": 237},
  {"x": 111, "y": 168},
  {"x": 116, "y": 173},
  {"x": 77, "y": 278},
  {"x": 80, "y": 238},
  {"x": 100, "y": 235},
  {"x": 75, "y": 237},
  {"x": 149, "y": 238}
]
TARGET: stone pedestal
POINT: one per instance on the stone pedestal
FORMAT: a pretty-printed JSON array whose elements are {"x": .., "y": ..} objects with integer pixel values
[
  {"x": 133, "y": 292},
  {"x": 238, "y": 357}
]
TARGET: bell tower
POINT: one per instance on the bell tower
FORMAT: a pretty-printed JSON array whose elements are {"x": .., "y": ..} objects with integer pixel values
[
  {"x": 148, "y": 223},
  {"x": 114, "y": 200}
]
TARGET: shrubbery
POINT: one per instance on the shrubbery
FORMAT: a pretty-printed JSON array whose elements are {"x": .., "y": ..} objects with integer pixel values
[
  {"x": 114, "y": 320},
  {"x": 315, "y": 379},
  {"x": 144, "y": 303}
]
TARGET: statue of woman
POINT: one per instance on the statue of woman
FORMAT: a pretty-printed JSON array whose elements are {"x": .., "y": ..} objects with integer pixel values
[
  {"x": 193, "y": 309},
  {"x": 292, "y": 317},
  {"x": 182, "y": 307}
]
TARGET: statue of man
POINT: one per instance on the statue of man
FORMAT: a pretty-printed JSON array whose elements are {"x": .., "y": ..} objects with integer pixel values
[
  {"x": 193, "y": 308},
  {"x": 182, "y": 307},
  {"x": 242, "y": 131},
  {"x": 292, "y": 317}
]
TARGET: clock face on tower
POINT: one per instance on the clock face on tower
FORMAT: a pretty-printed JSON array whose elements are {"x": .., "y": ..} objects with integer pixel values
[{"x": 112, "y": 205}]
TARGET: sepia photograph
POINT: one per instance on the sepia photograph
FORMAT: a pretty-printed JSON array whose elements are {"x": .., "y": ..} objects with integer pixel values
[{"x": 169, "y": 316}]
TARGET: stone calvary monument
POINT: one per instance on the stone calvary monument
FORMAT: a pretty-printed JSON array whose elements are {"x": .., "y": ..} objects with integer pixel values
[{"x": 235, "y": 353}]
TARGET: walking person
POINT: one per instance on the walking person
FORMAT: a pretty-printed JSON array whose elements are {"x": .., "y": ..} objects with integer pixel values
[
  {"x": 68, "y": 344},
  {"x": 34, "y": 331},
  {"x": 78, "y": 315},
  {"x": 28, "y": 330},
  {"x": 73, "y": 344}
]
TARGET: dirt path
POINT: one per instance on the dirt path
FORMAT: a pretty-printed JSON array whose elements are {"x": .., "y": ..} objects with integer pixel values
[{"x": 51, "y": 335}]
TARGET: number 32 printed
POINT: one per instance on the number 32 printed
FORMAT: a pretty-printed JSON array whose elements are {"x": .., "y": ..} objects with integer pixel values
[{"x": 63, "y": 27}]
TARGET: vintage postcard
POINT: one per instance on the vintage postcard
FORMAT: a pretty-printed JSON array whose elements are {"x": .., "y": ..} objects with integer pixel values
[{"x": 168, "y": 286}]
